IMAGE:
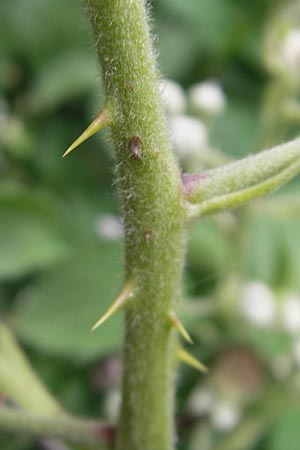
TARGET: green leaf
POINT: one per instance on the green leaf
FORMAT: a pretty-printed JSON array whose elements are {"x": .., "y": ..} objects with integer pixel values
[
  {"x": 211, "y": 20},
  {"x": 261, "y": 251},
  {"x": 272, "y": 243},
  {"x": 291, "y": 251},
  {"x": 65, "y": 77},
  {"x": 60, "y": 310},
  {"x": 269, "y": 343},
  {"x": 36, "y": 30},
  {"x": 286, "y": 432},
  {"x": 239, "y": 123},
  {"x": 30, "y": 233},
  {"x": 210, "y": 255}
]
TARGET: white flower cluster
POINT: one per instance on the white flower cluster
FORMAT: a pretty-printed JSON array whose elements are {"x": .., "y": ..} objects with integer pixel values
[
  {"x": 189, "y": 134},
  {"x": 291, "y": 51},
  {"x": 207, "y": 98},
  {"x": 173, "y": 97},
  {"x": 109, "y": 227},
  {"x": 290, "y": 314},
  {"x": 224, "y": 415},
  {"x": 257, "y": 304},
  {"x": 259, "y": 307}
]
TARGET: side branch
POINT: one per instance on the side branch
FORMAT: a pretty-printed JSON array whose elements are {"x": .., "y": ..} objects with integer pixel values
[
  {"x": 237, "y": 183},
  {"x": 18, "y": 381},
  {"x": 70, "y": 429}
]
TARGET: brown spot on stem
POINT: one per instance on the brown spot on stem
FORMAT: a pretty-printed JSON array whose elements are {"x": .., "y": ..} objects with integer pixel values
[
  {"x": 129, "y": 85},
  {"x": 148, "y": 235},
  {"x": 135, "y": 147}
]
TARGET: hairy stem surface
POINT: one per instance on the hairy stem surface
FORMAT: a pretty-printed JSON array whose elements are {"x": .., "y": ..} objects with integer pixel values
[{"x": 149, "y": 186}]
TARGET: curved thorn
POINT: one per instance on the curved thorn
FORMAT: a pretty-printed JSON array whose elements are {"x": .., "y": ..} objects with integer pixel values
[
  {"x": 122, "y": 299},
  {"x": 189, "y": 359},
  {"x": 100, "y": 121},
  {"x": 179, "y": 327}
]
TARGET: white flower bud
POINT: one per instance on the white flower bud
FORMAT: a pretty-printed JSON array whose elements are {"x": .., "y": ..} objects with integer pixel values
[
  {"x": 207, "y": 98},
  {"x": 189, "y": 136},
  {"x": 257, "y": 304},
  {"x": 173, "y": 97},
  {"x": 290, "y": 314},
  {"x": 201, "y": 401},
  {"x": 225, "y": 416},
  {"x": 109, "y": 227},
  {"x": 291, "y": 50}
]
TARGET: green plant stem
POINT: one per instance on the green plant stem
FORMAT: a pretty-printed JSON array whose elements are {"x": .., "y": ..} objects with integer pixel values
[
  {"x": 18, "y": 381},
  {"x": 150, "y": 193},
  {"x": 70, "y": 429},
  {"x": 241, "y": 181}
]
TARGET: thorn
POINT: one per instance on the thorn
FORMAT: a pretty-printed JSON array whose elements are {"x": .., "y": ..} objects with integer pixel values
[
  {"x": 119, "y": 302},
  {"x": 100, "y": 121},
  {"x": 179, "y": 327},
  {"x": 189, "y": 359}
]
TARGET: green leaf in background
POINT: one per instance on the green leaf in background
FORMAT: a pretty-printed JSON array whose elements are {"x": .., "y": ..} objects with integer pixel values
[
  {"x": 291, "y": 251},
  {"x": 65, "y": 77},
  {"x": 286, "y": 432},
  {"x": 236, "y": 131},
  {"x": 210, "y": 254},
  {"x": 37, "y": 30},
  {"x": 212, "y": 20},
  {"x": 57, "y": 313},
  {"x": 269, "y": 344},
  {"x": 261, "y": 254},
  {"x": 272, "y": 250},
  {"x": 8, "y": 441},
  {"x": 30, "y": 233}
]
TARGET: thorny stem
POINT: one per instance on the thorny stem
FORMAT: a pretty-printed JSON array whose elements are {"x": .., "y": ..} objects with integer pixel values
[
  {"x": 148, "y": 181},
  {"x": 157, "y": 202}
]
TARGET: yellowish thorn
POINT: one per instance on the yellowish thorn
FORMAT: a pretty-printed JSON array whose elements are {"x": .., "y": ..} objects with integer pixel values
[
  {"x": 189, "y": 359},
  {"x": 100, "y": 121},
  {"x": 179, "y": 327},
  {"x": 122, "y": 299}
]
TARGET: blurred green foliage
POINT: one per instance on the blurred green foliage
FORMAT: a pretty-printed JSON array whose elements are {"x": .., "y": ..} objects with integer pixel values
[{"x": 59, "y": 270}]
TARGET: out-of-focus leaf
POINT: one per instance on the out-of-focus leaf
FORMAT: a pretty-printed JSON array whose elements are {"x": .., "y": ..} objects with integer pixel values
[
  {"x": 63, "y": 78},
  {"x": 212, "y": 19},
  {"x": 286, "y": 432},
  {"x": 15, "y": 137},
  {"x": 36, "y": 30},
  {"x": 272, "y": 250},
  {"x": 30, "y": 234},
  {"x": 261, "y": 254},
  {"x": 291, "y": 251},
  {"x": 9, "y": 441},
  {"x": 178, "y": 49},
  {"x": 85, "y": 172},
  {"x": 210, "y": 253},
  {"x": 57, "y": 314},
  {"x": 269, "y": 343},
  {"x": 236, "y": 131}
]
